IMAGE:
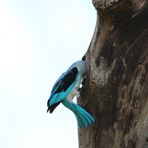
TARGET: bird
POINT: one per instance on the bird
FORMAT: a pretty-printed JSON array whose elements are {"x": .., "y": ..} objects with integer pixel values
[{"x": 66, "y": 88}]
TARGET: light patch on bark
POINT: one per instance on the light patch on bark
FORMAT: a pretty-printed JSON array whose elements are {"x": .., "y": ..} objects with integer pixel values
[
  {"x": 142, "y": 128},
  {"x": 137, "y": 88},
  {"x": 138, "y": 4},
  {"x": 102, "y": 73},
  {"x": 103, "y": 4}
]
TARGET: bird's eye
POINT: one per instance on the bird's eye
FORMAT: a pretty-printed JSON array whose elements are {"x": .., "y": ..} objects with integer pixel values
[{"x": 84, "y": 58}]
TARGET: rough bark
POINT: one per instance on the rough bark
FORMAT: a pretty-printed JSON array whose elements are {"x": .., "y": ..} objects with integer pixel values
[{"x": 116, "y": 88}]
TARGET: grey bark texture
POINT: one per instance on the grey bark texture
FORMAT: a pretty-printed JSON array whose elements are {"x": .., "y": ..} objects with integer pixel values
[{"x": 116, "y": 88}]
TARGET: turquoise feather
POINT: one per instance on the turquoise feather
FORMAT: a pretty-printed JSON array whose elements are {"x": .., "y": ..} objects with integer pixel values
[
  {"x": 63, "y": 93},
  {"x": 83, "y": 117},
  {"x": 54, "y": 98}
]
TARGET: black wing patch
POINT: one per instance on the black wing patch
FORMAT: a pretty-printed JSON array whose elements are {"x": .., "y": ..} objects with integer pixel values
[{"x": 67, "y": 80}]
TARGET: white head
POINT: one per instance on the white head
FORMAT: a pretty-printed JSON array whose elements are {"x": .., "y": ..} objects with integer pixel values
[{"x": 81, "y": 66}]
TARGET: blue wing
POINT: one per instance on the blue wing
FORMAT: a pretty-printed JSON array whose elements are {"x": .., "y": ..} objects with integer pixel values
[
  {"x": 57, "y": 84},
  {"x": 63, "y": 87}
]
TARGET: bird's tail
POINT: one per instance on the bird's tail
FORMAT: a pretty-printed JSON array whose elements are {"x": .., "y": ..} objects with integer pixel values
[{"x": 83, "y": 117}]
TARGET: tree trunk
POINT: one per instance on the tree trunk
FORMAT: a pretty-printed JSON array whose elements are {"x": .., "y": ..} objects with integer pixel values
[{"x": 116, "y": 88}]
